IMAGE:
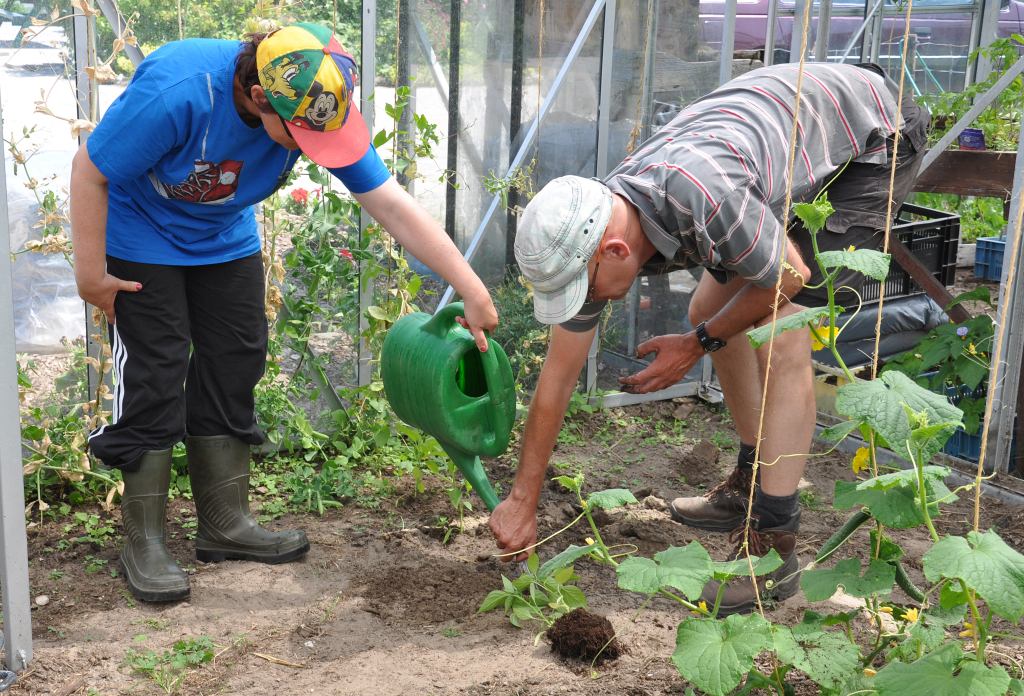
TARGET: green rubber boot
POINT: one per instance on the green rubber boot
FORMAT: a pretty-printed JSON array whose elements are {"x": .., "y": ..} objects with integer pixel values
[
  {"x": 218, "y": 469},
  {"x": 153, "y": 575}
]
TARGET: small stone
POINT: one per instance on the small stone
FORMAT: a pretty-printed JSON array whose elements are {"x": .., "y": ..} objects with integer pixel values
[
  {"x": 42, "y": 600},
  {"x": 804, "y": 485},
  {"x": 190, "y": 571},
  {"x": 683, "y": 411},
  {"x": 310, "y": 644},
  {"x": 655, "y": 503},
  {"x": 261, "y": 490}
]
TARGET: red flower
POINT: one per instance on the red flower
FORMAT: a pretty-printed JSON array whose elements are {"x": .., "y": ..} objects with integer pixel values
[
  {"x": 346, "y": 254},
  {"x": 300, "y": 195}
]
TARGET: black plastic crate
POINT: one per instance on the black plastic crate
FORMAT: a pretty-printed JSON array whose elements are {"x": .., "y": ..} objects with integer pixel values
[{"x": 933, "y": 240}]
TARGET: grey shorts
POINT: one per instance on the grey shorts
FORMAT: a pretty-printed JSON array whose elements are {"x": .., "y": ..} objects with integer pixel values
[{"x": 860, "y": 197}]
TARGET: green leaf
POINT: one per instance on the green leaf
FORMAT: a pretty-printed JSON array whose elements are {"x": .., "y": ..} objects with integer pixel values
[
  {"x": 859, "y": 685},
  {"x": 379, "y": 313},
  {"x": 610, "y": 499},
  {"x": 819, "y": 585},
  {"x": 837, "y": 432},
  {"x": 572, "y": 483},
  {"x": 573, "y": 597},
  {"x": 986, "y": 564},
  {"x": 867, "y": 261},
  {"x": 889, "y": 551},
  {"x": 827, "y": 658},
  {"x": 724, "y": 570},
  {"x": 761, "y": 335},
  {"x": 687, "y": 569},
  {"x": 715, "y": 655},
  {"x": 932, "y": 675},
  {"x": 880, "y": 402},
  {"x": 951, "y": 596},
  {"x": 563, "y": 559},
  {"x": 895, "y": 506},
  {"x": 1016, "y": 685},
  {"x": 533, "y": 562},
  {"x": 493, "y": 600},
  {"x": 814, "y": 214},
  {"x": 947, "y": 616},
  {"x": 978, "y": 294}
]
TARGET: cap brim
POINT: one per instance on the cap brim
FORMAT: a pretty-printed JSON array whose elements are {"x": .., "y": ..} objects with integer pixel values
[
  {"x": 336, "y": 148},
  {"x": 562, "y": 305}
]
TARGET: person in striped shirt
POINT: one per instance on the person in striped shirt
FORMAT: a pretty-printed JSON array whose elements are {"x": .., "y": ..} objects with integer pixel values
[{"x": 709, "y": 190}]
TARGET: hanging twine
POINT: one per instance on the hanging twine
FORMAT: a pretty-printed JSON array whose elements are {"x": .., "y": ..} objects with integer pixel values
[{"x": 637, "y": 128}]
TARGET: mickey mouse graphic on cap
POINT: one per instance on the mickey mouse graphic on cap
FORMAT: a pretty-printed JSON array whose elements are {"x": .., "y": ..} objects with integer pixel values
[{"x": 309, "y": 79}]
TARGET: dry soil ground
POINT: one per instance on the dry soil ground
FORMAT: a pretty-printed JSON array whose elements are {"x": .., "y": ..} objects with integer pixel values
[{"x": 380, "y": 606}]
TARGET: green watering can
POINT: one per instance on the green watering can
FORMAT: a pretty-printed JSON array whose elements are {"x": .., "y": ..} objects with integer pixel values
[{"x": 438, "y": 381}]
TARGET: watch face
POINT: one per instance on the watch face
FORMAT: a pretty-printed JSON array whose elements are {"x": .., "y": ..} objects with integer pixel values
[{"x": 714, "y": 344}]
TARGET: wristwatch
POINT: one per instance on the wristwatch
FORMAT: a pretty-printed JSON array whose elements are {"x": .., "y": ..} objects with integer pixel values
[{"x": 708, "y": 343}]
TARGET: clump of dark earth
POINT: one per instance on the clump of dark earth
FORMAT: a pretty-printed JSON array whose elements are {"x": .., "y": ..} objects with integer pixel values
[{"x": 580, "y": 635}]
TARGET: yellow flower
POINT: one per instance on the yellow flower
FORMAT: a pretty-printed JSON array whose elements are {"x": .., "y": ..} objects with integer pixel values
[
  {"x": 816, "y": 344},
  {"x": 704, "y": 607},
  {"x": 868, "y": 672},
  {"x": 886, "y": 610},
  {"x": 911, "y": 615},
  {"x": 968, "y": 630},
  {"x": 590, "y": 542},
  {"x": 851, "y": 248},
  {"x": 971, "y": 348},
  {"x": 861, "y": 462}
]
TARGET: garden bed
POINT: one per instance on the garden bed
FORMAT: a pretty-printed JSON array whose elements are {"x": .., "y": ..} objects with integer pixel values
[{"x": 381, "y": 606}]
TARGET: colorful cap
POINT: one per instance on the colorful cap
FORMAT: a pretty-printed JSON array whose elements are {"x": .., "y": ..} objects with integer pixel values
[{"x": 309, "y": 80}]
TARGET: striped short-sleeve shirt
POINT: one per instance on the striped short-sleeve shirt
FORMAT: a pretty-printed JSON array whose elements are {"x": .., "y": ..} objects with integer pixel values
[{"x": 710, "y": 186}]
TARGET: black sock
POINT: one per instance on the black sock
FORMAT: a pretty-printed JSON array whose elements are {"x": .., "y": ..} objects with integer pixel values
[
  {"x": 774, "y": 511},
  {"x": 745, "y": 460}
]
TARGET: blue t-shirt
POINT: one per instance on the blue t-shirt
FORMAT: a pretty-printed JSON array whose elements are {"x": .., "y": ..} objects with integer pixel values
[{"x": 184, "y": 169}]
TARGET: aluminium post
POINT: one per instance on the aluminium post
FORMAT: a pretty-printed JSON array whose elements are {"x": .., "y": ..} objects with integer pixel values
[
  {"x": 604, "y": 107},
  {"x": 14, "y": 582},
  {"x": 367, "y": 70},
  {"x": 1005, "y": 375},
  {"x": 769, "y": 32},
  {"x": 824, "y": 31},
  {"x": 728, "y": 41},
  {"x": 556, "y": 87},
  {"x": 802, "y": 7},
  {"x": 988, "y": 34}
]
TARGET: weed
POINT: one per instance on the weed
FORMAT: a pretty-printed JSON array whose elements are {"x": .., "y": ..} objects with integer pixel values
[
  {"x": 723, "y": 441},
  {"x": 93, "y": 564},
  {"x": 56, "y": 574},
  {"x": 451, "y": 630},
  {"x": 169, "y": 669}
]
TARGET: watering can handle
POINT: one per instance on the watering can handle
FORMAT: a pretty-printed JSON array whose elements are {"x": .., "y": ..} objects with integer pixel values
[{"x": 441, "y": 323}]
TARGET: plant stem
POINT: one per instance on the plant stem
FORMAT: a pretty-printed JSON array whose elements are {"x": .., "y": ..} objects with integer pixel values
[{"x": 923, "y": 496}]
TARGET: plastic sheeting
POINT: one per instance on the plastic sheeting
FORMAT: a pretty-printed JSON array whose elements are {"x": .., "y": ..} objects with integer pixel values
[
  {"x": 905, "y": 321},
  {"x": 46, "y": 303}
]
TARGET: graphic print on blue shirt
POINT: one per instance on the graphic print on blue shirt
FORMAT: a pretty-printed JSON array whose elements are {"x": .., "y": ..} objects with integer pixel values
[{"x": 184, "y": 169}]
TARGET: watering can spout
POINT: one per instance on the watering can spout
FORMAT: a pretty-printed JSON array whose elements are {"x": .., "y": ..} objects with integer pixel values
[{"x": 469, "y": 465}]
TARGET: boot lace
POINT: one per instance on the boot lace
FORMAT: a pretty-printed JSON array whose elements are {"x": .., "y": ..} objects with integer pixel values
[
  {"x": 757, "y": 543},
  {"x": 737, "y": 481}
]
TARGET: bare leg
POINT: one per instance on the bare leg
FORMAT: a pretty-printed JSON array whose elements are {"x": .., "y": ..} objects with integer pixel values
[{"x": 789, "y": 410}]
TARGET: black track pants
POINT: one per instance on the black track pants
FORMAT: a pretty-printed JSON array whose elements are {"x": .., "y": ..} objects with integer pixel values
[{"x": 188, "y": 350}]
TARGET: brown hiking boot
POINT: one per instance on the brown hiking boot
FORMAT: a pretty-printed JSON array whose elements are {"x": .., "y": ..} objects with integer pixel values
[
  {"x": 721, "y": 509},
  {"x": 739, "y": 595}
]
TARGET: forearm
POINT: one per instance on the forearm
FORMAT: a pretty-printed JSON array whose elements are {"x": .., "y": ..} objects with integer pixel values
[
  {"x": 416, "y": 230},
  {"x": 88, "y": 215},
  {"x": 547, "y": 411},
  {"x": 752, "y": 304}
]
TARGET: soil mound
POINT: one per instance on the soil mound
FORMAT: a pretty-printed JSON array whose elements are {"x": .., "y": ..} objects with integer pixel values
[{"x": 580, "y": 635}]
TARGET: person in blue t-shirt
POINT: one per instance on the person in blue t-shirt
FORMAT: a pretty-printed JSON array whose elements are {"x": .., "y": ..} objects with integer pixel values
[{"x": 165, "y": 243}]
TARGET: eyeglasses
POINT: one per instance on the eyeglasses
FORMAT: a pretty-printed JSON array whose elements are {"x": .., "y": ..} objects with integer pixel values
[{"x": 590, "y": 288}]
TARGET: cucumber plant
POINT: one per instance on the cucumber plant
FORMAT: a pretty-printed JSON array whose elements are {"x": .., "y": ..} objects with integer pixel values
[{"x": 909, "y": 650}]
